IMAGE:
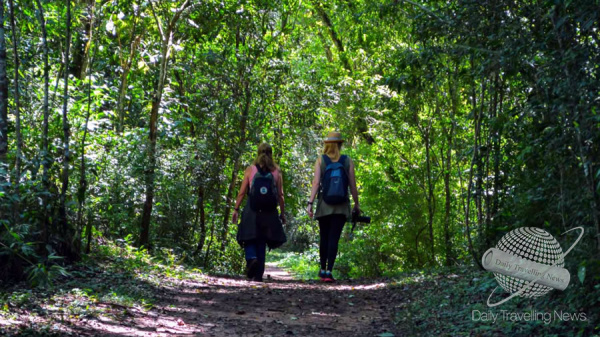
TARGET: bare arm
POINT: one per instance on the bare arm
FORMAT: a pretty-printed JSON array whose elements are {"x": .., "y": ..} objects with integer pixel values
[
  {"x": 316, "y": 180},
  {"x": 315, "y": 186},
  {"x": 279, "y": 183},
  {"x": 352, "y": 183},
  {"x": 240, "y": 196},
  {"x": 243, "y": 189}
]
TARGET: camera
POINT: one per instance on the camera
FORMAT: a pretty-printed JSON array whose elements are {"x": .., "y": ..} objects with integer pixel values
[{"x": 359, "y": 218}]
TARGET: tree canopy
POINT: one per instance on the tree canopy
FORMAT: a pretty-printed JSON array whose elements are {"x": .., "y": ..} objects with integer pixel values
[{"x": 134, "y": 120}]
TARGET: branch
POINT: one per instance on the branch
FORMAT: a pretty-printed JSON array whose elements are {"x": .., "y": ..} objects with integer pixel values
[
  {"x": 158, "y": 23},
  {"x": 177, "y": 15}
]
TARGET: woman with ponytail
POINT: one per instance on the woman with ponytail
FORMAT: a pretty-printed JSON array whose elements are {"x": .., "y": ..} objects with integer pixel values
[{"x": 261, "y": 224}]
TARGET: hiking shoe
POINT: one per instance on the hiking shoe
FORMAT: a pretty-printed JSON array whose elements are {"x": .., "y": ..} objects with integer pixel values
[
  {"x": 251, "y": 268},
  {"x": 328, "y": 277},
  {"x": 322, "y": 274}
]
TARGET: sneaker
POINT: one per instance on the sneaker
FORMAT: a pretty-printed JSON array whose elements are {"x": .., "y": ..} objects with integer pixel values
[
  {"x": 328, "y": 277},
  {"x": 251, "y": 268},
  {"x": 322, "y": 274}
]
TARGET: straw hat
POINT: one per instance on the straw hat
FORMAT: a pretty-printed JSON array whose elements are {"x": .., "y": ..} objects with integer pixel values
[{"x": 333, "y": 137}]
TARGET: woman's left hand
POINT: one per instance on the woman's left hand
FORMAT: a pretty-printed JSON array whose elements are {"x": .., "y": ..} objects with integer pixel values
[
  {"x": 234, "y": 217},
  {"x": 282, "y": 217}
]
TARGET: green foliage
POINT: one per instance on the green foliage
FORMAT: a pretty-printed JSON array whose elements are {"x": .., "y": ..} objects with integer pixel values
[
  {"x": 464, "y": 121},
  {"x": 434, "y": 298},
  {"x": 304, "y": 266}
]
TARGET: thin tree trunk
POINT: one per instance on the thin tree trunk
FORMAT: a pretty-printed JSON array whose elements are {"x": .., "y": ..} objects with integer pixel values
[
  {"x": 447, "y": 172},
  {"x": 448, "y": 204},
  {"x": 236, "y": 165},
  {"x": 497, "y": 153},
  {"x": 480, "y": 167},
  {"x": 334, "y": 36},
  {"x": 17, "y": 102},
  {"x": 126, "y": 65},
  {"x": 470, "y": 182},
  {"x": 145, "y": 231},
  {"x": 66, "y": 131},
  {"x": 17, "y": 94},
  {"x": 82, "y": 174},
  {"x": 3, "y": 95},
  {"x": 200, "y": 215},
  {"x": 212, "y": 234},
  {"x": 430, "y": 196},
  {"x": 85, "y": 61},
  {"x": 166, "y": 37},
  {"x": 44, "y": 151}
]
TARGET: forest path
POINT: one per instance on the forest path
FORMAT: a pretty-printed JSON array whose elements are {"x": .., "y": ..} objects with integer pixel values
[{"x": 281, "y": 305}]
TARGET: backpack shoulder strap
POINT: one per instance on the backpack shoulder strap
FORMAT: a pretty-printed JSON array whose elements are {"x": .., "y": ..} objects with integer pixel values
[
  {"x": 259, "y": 170},
  {"x": 326, "y": 159},
  {"x": 345, "y": 161},
  {"x": 323, "y": 165},
  {"x": 253, "y": 171}
]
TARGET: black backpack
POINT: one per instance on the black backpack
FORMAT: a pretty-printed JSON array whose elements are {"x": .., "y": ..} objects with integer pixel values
[
  {"x": 334, "y": 181},
  {"x": 263, "y": 191}
]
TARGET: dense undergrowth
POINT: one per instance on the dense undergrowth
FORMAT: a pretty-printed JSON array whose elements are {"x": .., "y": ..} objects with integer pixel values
[{"x": 112, "y": 280}]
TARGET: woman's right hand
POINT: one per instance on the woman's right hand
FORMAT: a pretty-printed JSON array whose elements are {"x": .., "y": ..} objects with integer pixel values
[
  {"x": 356, "y": 209},
  {"x": 309, "y": 210}
]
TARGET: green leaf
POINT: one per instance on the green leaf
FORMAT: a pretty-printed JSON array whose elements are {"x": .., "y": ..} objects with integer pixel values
[{"x": 581, "y": 274}]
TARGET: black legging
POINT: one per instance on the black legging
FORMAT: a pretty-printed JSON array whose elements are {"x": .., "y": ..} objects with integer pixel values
[{"x": 330, "y": 229}]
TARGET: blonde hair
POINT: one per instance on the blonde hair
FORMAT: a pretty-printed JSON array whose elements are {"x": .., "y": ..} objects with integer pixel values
[
  {"x": 264, "y": 159},
  {"x": 332, "y": 150}
]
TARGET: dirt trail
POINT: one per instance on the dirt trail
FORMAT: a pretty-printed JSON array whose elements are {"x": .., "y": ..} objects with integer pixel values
[
  {"x": 233, "y": 306},
  {"x": 224, "y": 306}
]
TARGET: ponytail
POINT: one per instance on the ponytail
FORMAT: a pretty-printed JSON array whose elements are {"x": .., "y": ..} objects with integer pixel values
[{"x": 264, "y": 159}]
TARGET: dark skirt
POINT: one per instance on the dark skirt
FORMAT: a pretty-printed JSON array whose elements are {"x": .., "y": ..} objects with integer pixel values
[{"x": 261, "y": 225}]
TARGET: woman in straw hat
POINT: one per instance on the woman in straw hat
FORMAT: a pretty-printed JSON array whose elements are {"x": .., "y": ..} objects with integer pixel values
[
  {"x": 331, "y": 217},
  {"x": 260, "y": 225}
]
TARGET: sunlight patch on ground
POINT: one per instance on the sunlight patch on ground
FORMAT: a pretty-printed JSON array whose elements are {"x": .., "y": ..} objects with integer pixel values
[
  {"x": 324, "y": 314},
  {"x": 8, "y": 322}
]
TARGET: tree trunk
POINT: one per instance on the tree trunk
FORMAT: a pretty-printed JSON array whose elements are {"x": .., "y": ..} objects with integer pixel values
[
  {"x": 334, "y": 36},
  {"x": 480, "y": 167},
  {"x": 200, "y": 215},
  {"x": 66, "y": 154},
  {"x": 17, "y": 176},
  {"x": 145, "y": 232},
  {"x": 82, "y": 174},
  {"x": 17, "y": 103},
  {"x": 3, "y": 96},
  {"x": 496, "y": 148},
  {"x": 447, "y": 171},
  {"x": 236, "y": 165},
  {"x": 430, "y": 196},
  {"x": 210, "y": 241},
  {"x": 126, "y": 66},
  {"x": 89, "y": 28},
  {"x": 474, "y": 159},
  {"x": 44, "y": 151},
  {"x": 166, "y": 36}
]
